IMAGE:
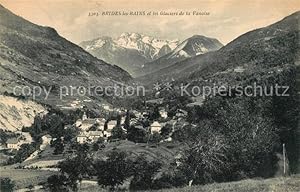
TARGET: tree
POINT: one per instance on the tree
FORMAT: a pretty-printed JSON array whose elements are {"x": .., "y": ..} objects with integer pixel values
[
  {"x": 70, "y": 133},
  {"x": 204, "y": 160},
  {"x": 113, "y": 171},
  {"x": 118, "y": 133},
  {"x": 155, "y": 138},
  {"x": 155, "y": 114},
  {"x": 3, "y": 136},
  {"x": 166, "y": 130},
  {"x": 137, "y": 135},
  {"x": 77, "y": 167},
  {"x": 23, "y": 153},
  {"x": 144, "y": 172},
  {"x": 59, "y": 146},
  {"x": 57, "y": 183},
  {"x": 37, "y": 124},
  {"x": 30, "y": 187},
  {"x": 169, "y": 180},
  {"x": 248, "y": 128},
  {"x": 7, "y": 185},
  {"x": 95, "y": 147},
  {"x": 127, "y": 120}
]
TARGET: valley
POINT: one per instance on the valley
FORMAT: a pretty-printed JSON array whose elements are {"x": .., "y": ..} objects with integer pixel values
[{"x": 161, "y": 140}]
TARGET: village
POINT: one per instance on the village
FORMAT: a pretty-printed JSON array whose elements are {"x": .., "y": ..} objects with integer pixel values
[{"x": 91, "y": 129}]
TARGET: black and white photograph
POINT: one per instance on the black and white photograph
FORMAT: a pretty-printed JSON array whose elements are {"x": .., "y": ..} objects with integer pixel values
[{"x": 150, "y": 95}]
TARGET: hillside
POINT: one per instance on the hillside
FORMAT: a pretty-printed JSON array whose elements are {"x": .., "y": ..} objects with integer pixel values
[
  {"x": 286, "y": 184},
  {"x": 32, "y": 55},
  {"x": 193, "y": 46},
  {"x": 271, "y": 46},
  {"x": 16, "y": 113}
]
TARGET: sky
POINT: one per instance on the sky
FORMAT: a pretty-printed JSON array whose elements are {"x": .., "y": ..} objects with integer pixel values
[{"x": 227, "y": 19}]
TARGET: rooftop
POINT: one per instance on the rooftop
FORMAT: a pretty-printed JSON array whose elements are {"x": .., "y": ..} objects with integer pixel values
[
  {"x": 48, "y": 136},
  {"x": 114, "y": 122},
  {"x": 155, "y": 124},
  {"x": 89, "y": 121},
  {"x": 12, "y": 141},
  {"x": 95, "y": 133}
]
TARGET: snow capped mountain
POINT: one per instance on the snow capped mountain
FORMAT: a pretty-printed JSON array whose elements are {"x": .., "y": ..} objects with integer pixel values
[
  {"x": 195, "y": 45},
  {"x": 130, "y": 51},
  {"x": 146, "y": 44},
  {"x": 140, "y": 54},
  {"x": 191, "y": 47},
  {"x": 98, "y": 43}
]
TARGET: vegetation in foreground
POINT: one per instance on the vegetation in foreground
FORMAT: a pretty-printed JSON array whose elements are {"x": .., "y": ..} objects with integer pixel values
[{"x": 286, "y": 184}]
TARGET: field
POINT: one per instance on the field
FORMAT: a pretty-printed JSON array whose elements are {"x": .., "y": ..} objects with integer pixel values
[
  {"x": 44, "y": 159},
  {"x": 280, "y": 184},
  {"x": 288, "y": 184},
  {"x": 23, "y": 178},
  {"x": 164, "y": 152}
]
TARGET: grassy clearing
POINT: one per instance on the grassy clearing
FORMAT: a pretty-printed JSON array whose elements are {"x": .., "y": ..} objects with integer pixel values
[
  {"x": 164, "y": 152},
  {"x": 45, "y": 156},
  {"x": 280, "y": 184},
  {"x": 23, "y": 178}
]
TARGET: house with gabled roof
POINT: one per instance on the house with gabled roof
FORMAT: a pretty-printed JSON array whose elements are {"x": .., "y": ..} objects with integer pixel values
[
  {"x": 13, "y": 143},
  {"x": 155, "y": 127},
  {"x": 111, "y": 124},
  {"x": 95, "y": 135}
]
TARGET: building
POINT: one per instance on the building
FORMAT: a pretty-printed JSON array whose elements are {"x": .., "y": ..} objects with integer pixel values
[
  {"x": 133, "y": 121},
  {"x": 78, "y": 123},
  {"x": 107, "y": 107},
  {"x": 90, "y": 137},
  {"x": 87, "y": 124},
  {"x": 136, "y": 113},
  {"x": 123, "y": 118},
  {"x": 106, "y": 134},
  {"x": 84, "y": 116},
  {"x": 181, "y": 113},
  {"x": 155, "y": 127},
  {"x": 239, "y": 69},
  {"x": 47, "y": 139},
  {"x": 163, "y": 113},
  {"x": 111, "y": 124},
  {"x": 95, "y": 135},
  {"x": 82, "y": 138},
  {"x": 100, "y": 122},
  {"x": 13, "y": 143}
]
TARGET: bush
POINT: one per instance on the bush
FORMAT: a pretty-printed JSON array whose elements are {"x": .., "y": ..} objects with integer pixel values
[
  {"x": 57, "y": 183},
  {"x": 114, "y": 171},
  {"x": 7, "y": 185},
  {"x": 144, "y": 172}
]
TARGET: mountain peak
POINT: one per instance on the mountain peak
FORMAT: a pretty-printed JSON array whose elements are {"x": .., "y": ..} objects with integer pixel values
[
  {"x": 130, "y": 50},
  {"x": 196, "y": 45}
]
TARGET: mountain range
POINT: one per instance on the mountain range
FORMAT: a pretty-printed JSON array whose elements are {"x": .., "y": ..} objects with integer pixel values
[
  {"x": 275, "y": 45},
  {"x": 191, "y": 47},
  {"x": 139, "y": 54},
  {"x": 130, "y": 51}
]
